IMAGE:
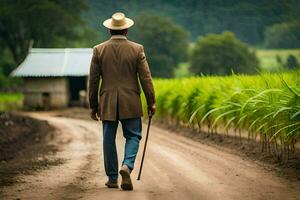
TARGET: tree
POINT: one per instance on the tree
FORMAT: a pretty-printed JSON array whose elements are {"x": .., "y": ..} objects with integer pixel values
[
  {"x": 283, "y": 35},
  {"x": 291, "y": 62},
  {"x": 219, "y": 54},
  {"x": 42, "y": 22},
  {"x": 165, "y": 43}
]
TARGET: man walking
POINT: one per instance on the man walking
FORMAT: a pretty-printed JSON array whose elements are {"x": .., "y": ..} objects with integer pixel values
[{"x": 120, "y": 63}]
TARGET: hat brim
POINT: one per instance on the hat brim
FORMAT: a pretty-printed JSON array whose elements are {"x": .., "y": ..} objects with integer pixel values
[{"x": 107, "y": 23}]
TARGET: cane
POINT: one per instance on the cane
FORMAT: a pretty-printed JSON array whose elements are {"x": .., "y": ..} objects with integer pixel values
[{"x": 145, "y": 145}]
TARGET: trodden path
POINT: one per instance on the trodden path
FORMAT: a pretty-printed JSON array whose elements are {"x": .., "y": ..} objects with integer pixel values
[{"x": 175, "y": 168}]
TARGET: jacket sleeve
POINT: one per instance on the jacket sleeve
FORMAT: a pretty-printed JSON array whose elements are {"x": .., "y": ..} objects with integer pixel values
[
  {"x": 145, "y": 77},
  {"x": 94, "y": 79}
]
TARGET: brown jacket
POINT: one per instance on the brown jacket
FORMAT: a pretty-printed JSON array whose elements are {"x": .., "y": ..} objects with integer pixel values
[{"x": 119, "y": 63}]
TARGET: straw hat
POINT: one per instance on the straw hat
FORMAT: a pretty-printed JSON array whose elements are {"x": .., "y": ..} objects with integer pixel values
[{"x": 118, "y": 21}]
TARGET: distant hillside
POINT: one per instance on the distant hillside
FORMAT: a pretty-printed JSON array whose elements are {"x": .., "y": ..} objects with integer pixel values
[{"x": 247, "y": 18}]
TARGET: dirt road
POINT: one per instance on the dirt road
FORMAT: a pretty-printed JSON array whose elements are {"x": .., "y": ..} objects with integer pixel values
[{"x": 175, "y": 168}]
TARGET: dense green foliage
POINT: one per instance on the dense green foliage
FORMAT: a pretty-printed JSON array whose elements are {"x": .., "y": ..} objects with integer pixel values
[
  {"x": 267, "y": 106},
  {"x": 165, "y": 43},
  {"x": 221, "y": 54},
  {"x": 246, "y": 18},
  {"x": 284, "y": 35},
  {"x": 6, "y": 66},
  {"x": 45, "y": 23}
]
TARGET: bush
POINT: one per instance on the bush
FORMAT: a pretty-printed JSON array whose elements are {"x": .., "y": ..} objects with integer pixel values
[
  {"x": 3, "y": 81},
  {"x": 284, "y": 35},
  {"x": 291, "y": 62},
  {"x": 221, "y": 54},
  {"x": 165, "y": 43},
  {"x": 8, "y": 83}
]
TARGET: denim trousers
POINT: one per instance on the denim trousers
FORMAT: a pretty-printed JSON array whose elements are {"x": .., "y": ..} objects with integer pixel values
[{"x": 132, "y": 130}]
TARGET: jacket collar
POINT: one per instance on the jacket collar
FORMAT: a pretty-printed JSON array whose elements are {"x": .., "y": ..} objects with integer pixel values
[{"x": 118, "y": 37}]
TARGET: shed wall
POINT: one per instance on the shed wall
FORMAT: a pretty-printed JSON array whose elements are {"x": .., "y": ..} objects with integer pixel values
[{"x": 46, "y": 92}]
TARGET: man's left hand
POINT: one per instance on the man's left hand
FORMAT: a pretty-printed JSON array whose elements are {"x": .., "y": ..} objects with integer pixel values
[{"x": 95, "y": 114}]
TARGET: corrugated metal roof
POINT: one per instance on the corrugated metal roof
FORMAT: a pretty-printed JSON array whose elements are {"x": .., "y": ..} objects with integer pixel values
[{"x": 55, "y": 62}]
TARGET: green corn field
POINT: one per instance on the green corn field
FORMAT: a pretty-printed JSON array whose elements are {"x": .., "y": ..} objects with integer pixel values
[{"x": 266, "y": 106}]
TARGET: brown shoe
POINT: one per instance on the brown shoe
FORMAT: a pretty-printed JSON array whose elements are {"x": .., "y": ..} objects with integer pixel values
[
  {"x": 126, "y": 180},
  {"x": 112, "y": 184}
]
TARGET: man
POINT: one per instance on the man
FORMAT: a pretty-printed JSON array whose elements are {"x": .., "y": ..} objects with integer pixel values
[{"x": 120, "y": 63}]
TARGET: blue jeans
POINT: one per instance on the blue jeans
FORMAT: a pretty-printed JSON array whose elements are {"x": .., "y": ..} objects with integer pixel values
[{"x": 132, "y": 130}]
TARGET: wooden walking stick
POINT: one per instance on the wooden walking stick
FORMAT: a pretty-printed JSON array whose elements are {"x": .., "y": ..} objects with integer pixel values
[{"x": 145, "y": 145}]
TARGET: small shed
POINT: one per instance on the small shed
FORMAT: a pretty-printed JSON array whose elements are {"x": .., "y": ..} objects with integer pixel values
[{"x": 54, "y": 78}]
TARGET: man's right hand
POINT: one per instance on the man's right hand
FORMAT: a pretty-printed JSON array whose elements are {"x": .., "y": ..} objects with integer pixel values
[
  {"x": 151, "y": 110},
  {"x": 94, "y": 114}
]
